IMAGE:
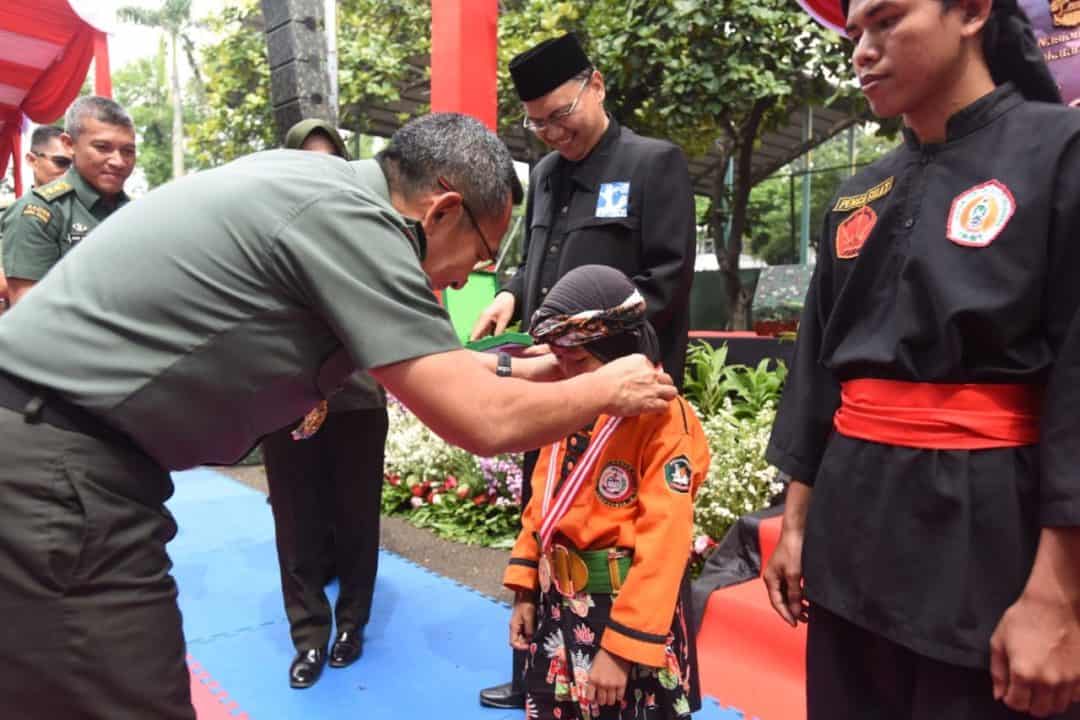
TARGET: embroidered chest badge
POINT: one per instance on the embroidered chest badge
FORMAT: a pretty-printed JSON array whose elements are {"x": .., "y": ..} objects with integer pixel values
[
  {"x": 613, "y": 201},
  {"x": 677, "y": 473},
  {"x": 616, "y": 486},
  {"x": 78, "y": 232},
  {"x": 852, "y": 234},
  {"x": 979, "y": 215}
]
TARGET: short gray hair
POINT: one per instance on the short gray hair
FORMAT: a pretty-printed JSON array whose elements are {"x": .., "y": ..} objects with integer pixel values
[
  {"x": 99, "y": 108},
  {"x": 459, "y": 149}
]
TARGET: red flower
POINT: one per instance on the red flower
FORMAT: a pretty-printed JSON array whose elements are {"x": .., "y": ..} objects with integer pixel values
[
  {"x": 417, "y": 490},
  {"x": 450, "y": 482},
  {"x": 464, "y": 491},
  {"x": 480, "y": 500}
]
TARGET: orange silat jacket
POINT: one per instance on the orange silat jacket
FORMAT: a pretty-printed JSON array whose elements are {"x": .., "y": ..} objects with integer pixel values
[{"x": 640, "y": 497}]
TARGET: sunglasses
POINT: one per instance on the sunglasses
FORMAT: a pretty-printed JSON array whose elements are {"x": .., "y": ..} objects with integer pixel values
[{"x": 61, "y": 161}]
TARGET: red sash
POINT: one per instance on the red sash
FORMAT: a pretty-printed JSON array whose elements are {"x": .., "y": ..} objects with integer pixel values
[{"x": 939, "y": 416}]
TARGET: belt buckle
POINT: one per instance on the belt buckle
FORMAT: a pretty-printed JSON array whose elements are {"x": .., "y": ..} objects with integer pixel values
[{"x": 569, "y": 573}]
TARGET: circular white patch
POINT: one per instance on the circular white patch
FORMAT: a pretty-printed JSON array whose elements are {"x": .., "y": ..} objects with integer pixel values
[
  {"x": 615, "y": 486},
  {"x": 980, "y": 214}
]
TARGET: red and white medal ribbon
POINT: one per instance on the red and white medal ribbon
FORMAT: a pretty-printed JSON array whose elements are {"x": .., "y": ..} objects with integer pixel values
[{"x": 553, "y": 512}]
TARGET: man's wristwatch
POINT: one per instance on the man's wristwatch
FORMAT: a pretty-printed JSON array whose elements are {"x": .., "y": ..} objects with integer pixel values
[{"x": 502, "y": 367}]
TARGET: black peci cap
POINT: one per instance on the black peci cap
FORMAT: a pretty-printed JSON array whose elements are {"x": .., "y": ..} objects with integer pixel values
[{"x": 541, "y": 69}]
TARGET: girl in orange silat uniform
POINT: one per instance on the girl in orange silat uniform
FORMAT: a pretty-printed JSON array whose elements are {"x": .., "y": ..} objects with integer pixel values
[{"x": 607, "y": 534}]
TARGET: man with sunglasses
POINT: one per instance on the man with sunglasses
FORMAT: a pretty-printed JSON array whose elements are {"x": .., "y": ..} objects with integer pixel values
[
  {"x": 49, "y": 158},
  {"x": 605, "y": 196},
  {"x": 99, "y": 147}
]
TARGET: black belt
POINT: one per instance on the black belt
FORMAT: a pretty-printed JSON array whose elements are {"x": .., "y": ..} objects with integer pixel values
[{"x": 38, "y": 404}]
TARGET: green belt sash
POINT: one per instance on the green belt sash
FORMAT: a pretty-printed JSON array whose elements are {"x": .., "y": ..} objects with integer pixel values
[{"x": 599, "y": 572}]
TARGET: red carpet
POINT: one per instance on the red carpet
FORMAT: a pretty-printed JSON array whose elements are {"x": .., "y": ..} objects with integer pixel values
[
  {"x": 747, "y": 655},
  {"x": 210, "y": 700}
]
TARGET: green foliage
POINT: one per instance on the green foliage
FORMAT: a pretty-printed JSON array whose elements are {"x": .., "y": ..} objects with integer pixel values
[
  {"x": 739, "y": 480},
  {"x": 382, "y": 48},
  {"x": 141, "y": 87},
  {"x": 442, "y": 487},
  {"x": 773, "y": 221},
  {"x": 237, "y": 118},
  {"x": 715, "y": 388}
]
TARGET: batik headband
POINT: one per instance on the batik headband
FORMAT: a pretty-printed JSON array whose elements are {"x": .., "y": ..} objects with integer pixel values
[{"x": 573, "y": 330}]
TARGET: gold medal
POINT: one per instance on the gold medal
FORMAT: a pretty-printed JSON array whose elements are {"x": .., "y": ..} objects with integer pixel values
[{"x": 544, "y": 571}]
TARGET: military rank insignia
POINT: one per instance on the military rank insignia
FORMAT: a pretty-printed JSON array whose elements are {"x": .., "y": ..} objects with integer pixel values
[
  {"x": 677, "y": 473},
  {"x": 980, "y": 214},
  {"x": 613, "y": 201},
  {"x": 852, "y": 234},
  {"x": 616, "y": 486},
  {"x": 36, "y": 211}
]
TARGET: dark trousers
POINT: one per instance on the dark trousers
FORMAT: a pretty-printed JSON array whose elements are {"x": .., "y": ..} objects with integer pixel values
[
  {"x": 329, "y": 483},
  {"x": 854, "y": 674},
  {"x": 528, "y": 463},
  {"x": 89, "y": 626}
]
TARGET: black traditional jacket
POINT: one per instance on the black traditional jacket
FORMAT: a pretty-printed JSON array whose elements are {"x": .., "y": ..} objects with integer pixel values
[
  {"x": 956, "y": 262},
  {"x": 629, "y": 205}
]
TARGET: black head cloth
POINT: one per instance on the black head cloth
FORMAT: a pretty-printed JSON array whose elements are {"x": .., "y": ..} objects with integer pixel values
[
  {"x": 541, "y": 69},
  {"x": 597, "y": 307},
  {"x": 1012, "y": 52}
]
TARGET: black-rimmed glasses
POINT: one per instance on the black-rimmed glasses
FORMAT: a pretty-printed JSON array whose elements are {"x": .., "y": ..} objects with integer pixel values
[{"x": 492, "y": 257}]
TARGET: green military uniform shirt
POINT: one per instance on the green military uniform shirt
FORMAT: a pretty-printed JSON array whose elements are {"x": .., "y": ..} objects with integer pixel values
[
  {"x": 47, "y": 222},
  {"x": 226, "y": 304}
]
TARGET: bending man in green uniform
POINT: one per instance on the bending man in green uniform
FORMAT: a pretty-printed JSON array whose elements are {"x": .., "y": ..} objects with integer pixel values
[
  {"x": 195, "y": 324},
  {"x": 45, "y": 224}
]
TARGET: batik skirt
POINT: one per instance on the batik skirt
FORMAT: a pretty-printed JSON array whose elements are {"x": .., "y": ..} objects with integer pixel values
[{"x": 566, "y": 640}]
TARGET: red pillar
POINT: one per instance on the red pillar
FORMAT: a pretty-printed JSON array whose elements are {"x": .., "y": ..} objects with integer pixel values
[
  {"x": 464, "y": 37},
  {"x": 102, "y": 78}
]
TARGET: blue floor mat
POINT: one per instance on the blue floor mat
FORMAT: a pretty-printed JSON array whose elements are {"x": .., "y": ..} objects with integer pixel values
[{"x": 430, "y": 646}]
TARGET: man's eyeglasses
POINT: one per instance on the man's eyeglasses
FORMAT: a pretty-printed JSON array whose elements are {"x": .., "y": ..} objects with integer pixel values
[
  {"x": 491, "y": 256},
  {"x": 61, "y": 161},
  {"x": 556, "y": 118}
]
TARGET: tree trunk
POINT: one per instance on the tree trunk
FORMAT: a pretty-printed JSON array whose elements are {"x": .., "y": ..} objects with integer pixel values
[
  {"x": 178, "y": 110},
  {"x": 738, "y": 297}
]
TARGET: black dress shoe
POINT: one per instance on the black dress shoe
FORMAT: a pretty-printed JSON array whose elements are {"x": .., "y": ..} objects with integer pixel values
[
  {"x": 306, "y": 667},
  {"x": 347, "y": 648},
  {"x": 503, "y": 696}
]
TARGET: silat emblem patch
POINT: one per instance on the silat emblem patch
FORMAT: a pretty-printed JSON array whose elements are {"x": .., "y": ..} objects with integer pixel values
[
  {"x": 613, "y": 201},
  {"x": 677, "y": 472},
  {"x": 979, "y": 215},
  {"x": 852, "y": 234},
  {"x": 616, "y": 486}
]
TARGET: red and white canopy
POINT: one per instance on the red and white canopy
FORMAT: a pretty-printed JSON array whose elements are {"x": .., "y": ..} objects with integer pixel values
[
  {"x": 826, "y": 12},
  {"x": 45, "y": 51}
]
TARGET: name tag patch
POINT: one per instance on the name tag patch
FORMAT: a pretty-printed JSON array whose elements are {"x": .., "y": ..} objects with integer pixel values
[
  {"x": 854, "y": 202},
  {"x": 979, "y": 215},
  {"x": 615, "y": 486},
  {"x": 613, "y": 200},
  {"x": 852, "y": 234}
]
